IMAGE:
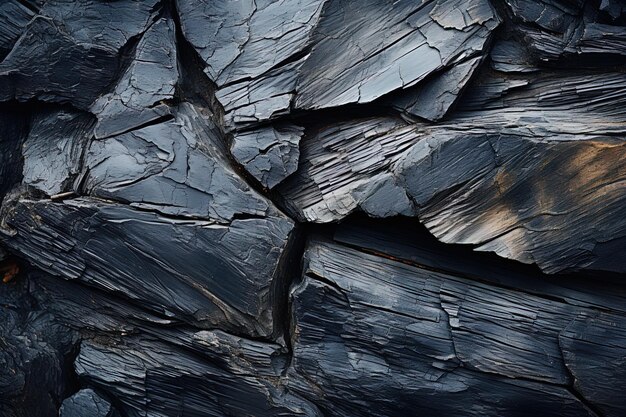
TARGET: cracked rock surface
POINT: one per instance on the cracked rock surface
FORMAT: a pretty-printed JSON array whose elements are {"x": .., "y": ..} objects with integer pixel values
[{"x": 312, "y": 208}]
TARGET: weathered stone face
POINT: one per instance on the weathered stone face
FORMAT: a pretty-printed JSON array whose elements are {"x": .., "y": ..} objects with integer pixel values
[{"x": 312, "y": 208}]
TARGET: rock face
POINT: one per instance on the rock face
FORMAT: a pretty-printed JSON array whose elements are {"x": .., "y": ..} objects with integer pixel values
[
  {"x": 86, "y": 403},
  {"x": 312, "y": 208}
]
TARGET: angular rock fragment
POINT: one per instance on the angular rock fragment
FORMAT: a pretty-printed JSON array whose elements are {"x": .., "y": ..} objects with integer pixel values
[
  {"x": 266, "y": 98},
  {"x": 149, "y": 81},
  {"x": 178, "y": 167},
  {"x": 270, "y": 154},
  {"x": 241, "y": 40},
  {"x": 432, "y": 100},
  {"x": 548, "y": 27},
  {"x": 600, "y": 38},
  {"x": 71, "y": 51},
  {"x": 487, "y": 176},
  {"x": 52, "y": 151},
  {"x": 499, "y": 194},
  {"x": 570, "y": 29},
  {"x": 351, "y": 63},
  {"x": 86, "y": 403},
  {"x": 345, "y": 167},
  {"x": 110, "y": 24},
  {"x": 196, "y": 271},
  {"x": 33, "y": 70},
  {"x": 151, "y": 378},
  {"x": 252, "y": 52},
  {"x": 366, "y": 324},
  {"x": 14, "y": 16},
  {"x": 346, "y": 64}
]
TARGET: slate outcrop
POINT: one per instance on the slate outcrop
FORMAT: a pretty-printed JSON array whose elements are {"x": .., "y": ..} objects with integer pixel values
[{"x": 312, "y": 208}]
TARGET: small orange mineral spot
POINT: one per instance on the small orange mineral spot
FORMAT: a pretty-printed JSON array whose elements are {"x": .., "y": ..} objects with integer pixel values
[{"x": 9, "y": 270}]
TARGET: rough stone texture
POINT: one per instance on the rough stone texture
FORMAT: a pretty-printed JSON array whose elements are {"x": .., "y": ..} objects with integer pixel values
[
  {"x": 178, "y": 167},
  {"x": 198, "y": 271},
  {"x": 86, "y": 403},
  {"x": 312, "y": 208},
  {"x": 13, "y": 131},
  {"x": 149, "y": 81},
  {"x": 53, "y": 148},
  {"x": 432, "y": 100},
  {"x": 157, "y": 376},
  {"x": 377, "y": 325},
  {"x": 487, "y": 177},
  {"x": 70, "y": 51},
  {"x": 353, "y": 64},
  {"x": 14, "y": 16},
  {"x": 35, "y": 355},
  {"x": 570, "y": 29},
  {"x": 270, "y": 154}
]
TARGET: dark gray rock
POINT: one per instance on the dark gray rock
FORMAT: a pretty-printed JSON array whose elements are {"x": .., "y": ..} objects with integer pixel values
[
  {"x": 198, "y": 271},
  {"x": 52, "y": 151},
  {"x": 290, "y": 207},
  {"x": 432, "y": 100},
  {"x": 347, "y": 63},
  {"x": 560, "y": 29},
  {"x": 234, "y": 38},
  {"x": 486, "y": 177},
  {"x": 152, "y": 378},
  {"x": 528, "y": 222},
  {"x": 13, "y": 131},
  {"x": 142, "y": 92},
  {"x": 178, "y": 167},
  {"x": 71, "y": 51},
  {"x": 270, "y": 154},
  {"x": 266, "y": 98},
  {"x": 87, "y": 309},
  {"x": 86, "y": 403},
  {"x": 35, "y": 354},
  {"x": 371, "y": 326},
  {"x": 613, "y": 8},
  {"x": 597, "y": 368},
  {"x": 346, "y": 166},
  {"x": 14, "y": 16},
  {"x": 351, "y": 63},
  {"x": 511, "y": 55}
]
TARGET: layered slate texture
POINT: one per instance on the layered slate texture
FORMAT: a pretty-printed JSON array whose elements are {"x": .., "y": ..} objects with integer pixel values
[
  {"x": 283, "y": 207},
  {"x": 369, "y": 315},
  {"x": 70, "y": 51},
  {"x": 485, "y": 173},
  {"x": 493, "y": 187},
  {"x": 374, "y": 320},
  {"x": 325, "y": 54},
  {"x": 148, "y": 181},
  {"x": 164, "y": 202}
]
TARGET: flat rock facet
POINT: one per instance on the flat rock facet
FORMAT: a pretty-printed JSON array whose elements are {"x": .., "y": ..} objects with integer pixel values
[
  {"x": 86, "y": 403},
  {"x": 149, "y": 81}
]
